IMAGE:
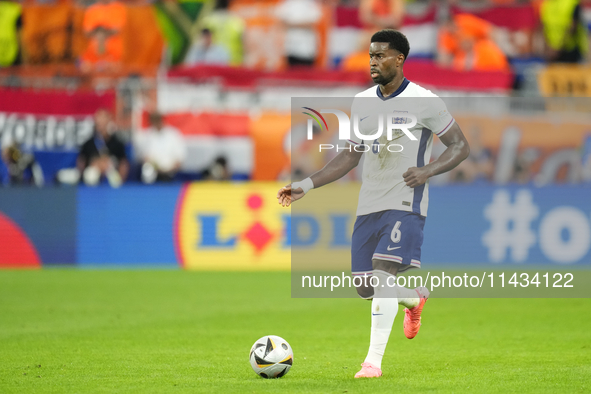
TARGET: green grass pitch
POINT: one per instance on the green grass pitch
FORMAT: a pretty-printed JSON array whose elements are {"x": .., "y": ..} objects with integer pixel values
[{"x": 160, "y": 331}]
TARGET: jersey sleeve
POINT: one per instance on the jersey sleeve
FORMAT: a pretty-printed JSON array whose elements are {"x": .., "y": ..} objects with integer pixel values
[{"x": 437, "y": 118}]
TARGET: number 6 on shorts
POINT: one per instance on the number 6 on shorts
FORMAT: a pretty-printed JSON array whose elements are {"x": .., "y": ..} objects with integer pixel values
[{"x": 395, "y": 235}]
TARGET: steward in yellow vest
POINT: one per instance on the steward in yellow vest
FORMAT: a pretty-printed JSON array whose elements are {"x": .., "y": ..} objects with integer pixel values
[
  {"x": 10, "y": 13},
  {"x": 565, "y": 33}
]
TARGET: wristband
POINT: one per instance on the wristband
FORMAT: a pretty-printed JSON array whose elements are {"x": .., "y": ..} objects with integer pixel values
[{"x": 305, "y": 185}]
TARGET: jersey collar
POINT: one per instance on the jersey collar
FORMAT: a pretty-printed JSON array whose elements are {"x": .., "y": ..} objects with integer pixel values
[{"x": 400, "y": 89}]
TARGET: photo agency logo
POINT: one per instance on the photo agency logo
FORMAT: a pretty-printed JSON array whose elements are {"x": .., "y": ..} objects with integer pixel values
[{"x": 395, "y": 125}]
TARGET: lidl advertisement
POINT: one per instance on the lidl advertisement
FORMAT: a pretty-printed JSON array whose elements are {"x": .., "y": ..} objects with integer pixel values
[{"x": 232, "y": 226}]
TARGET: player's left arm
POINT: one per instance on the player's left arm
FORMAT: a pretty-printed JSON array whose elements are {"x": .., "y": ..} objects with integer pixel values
[{"x": 456, "y": 152}]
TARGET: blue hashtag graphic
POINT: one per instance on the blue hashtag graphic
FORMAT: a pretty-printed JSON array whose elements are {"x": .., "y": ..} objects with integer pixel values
[{"x": 510, "y": 226}]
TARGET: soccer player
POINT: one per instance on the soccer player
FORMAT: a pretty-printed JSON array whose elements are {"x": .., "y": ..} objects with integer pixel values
[{"x": 392, "y": 208}]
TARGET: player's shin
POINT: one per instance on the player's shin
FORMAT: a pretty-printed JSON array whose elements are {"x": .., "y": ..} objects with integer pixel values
[{"x": 384, "y": 307}]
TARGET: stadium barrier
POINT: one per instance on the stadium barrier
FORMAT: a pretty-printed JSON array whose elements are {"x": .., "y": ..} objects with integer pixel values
[{"x": 240, "y": 226}]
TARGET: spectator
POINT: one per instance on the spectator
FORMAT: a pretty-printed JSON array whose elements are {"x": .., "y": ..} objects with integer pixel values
[
  {"x": 565, "y": 33},
  {"x": 227, "y": 30},
  {"x": 21, "y": 165},
  {"x": 299, "y": 18},
  {"x": 381, "y": 14},
  {"x": 10, "y": 26},
  {"x": 206, "y": 52},
  {"x": 218, "y": 171},
  {"x": 465, "y": 44},
  {"x": 103, "y": 154},
  {"x": 103, "y": 25},
  {"x": 162, "y": 151}
]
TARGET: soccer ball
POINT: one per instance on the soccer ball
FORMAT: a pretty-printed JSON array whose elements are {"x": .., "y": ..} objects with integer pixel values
[{"x": 271, "y": 357}]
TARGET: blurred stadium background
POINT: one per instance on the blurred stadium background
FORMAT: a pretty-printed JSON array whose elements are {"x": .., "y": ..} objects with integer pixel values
[{"x": 155, "y": 134}]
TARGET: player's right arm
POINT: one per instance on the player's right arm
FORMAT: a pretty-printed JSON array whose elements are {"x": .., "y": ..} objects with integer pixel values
[{"x": 333, "y": 170}]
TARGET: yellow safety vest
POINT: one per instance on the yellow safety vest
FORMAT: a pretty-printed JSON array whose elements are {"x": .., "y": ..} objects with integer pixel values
[
  {"x": 227, "y": 31},
  {"x": 557, "y": 17},
  {"x": 9, "y": 13}
]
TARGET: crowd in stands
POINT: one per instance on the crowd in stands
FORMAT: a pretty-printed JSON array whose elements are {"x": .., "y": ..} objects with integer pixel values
[
  {"x": 156, "y": 154},
  {"x": 159, "y": 152},
  {"x": 104, "y": 35}
]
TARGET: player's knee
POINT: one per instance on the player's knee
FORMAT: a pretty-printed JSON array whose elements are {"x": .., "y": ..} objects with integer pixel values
[{"x": 365, "y": 292}]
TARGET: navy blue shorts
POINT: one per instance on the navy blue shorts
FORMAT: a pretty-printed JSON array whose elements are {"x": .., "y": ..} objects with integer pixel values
[{"x": 391, "y": 235}]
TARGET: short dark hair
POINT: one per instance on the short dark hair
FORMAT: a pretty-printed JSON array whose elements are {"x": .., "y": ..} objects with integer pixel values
[{"x": 394, "y": 38}]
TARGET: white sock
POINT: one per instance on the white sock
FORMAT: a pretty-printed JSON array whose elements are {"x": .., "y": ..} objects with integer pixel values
[
  {"x": 407, "y": 297},
  {"x": 384, "y": 307}
]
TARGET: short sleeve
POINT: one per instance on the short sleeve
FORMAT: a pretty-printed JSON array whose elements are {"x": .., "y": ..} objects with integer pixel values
[{"x": 437, "y": 118}]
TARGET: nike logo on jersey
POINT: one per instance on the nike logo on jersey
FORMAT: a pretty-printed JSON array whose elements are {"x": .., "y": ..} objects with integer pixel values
[
  {"x": 397, "y": 247},
  {"x": 361, "y": 120}
]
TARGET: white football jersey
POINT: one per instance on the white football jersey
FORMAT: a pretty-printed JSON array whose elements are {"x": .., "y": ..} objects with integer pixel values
[{"x": 383, "y": 186}]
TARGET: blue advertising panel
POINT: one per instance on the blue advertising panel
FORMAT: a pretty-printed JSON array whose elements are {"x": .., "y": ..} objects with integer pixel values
[{"x": 132, "y": 225}]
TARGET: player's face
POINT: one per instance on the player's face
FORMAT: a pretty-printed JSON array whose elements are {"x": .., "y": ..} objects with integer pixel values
[{"x": 384, "y": 62}]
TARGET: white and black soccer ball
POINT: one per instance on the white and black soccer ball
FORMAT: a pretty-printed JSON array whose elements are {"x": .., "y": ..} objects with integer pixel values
[{"x": 271, "y": 357}]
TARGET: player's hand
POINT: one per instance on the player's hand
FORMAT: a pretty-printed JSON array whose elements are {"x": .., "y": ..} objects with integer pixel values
[
  {"x": 286, "y": 195},
  {"x": 415, "y": 176}
]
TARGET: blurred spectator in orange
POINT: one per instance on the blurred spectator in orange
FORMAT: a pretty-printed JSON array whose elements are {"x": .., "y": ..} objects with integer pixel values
[
  {"x": 359, "y": 60},
  {"x": 52, "y": 32},
  {"x": 103, "y": 154},
  {"x": 161, "y": 149},
  {"x": 374, "y": 15},
  {"x": 204, "y": 51},
  {"x": 227, "y": 30},
  {"x": 103, "y": 25},
  {"x": 465, "y": 43},
  {"x": 564, "y": 30},
  {"x": 10, "y": 26},
  {"x": 299, "y": 18},
  {"x": 381, "y": 14}
]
